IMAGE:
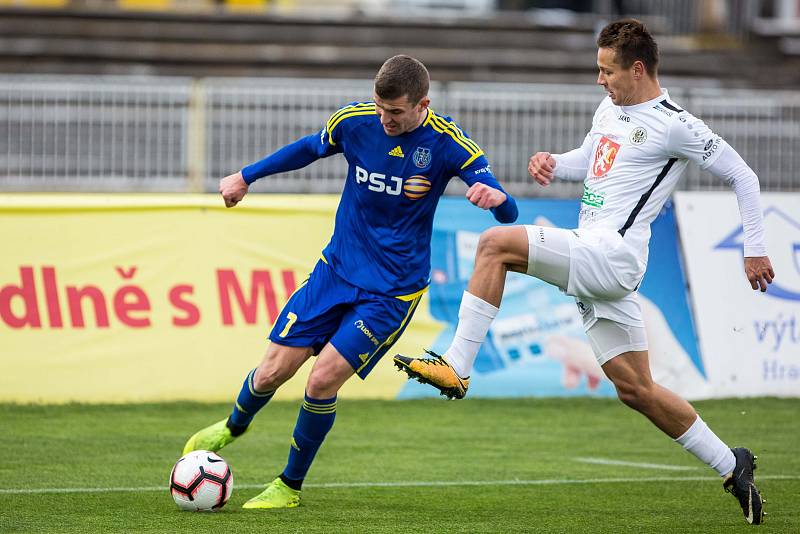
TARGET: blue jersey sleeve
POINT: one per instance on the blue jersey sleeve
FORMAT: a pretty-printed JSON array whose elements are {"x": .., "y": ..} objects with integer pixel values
[
  {"x": 479, "y": 170},
  {"x": 296, "y": 155}
]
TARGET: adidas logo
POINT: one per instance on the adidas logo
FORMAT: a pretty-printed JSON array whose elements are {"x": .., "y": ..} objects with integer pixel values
[
  {"x": 397, "y": 151},
  {"x": 364, "y": 357}
]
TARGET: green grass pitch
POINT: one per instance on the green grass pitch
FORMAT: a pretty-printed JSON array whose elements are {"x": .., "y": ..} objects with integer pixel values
[{"x": 414, "y": 466}]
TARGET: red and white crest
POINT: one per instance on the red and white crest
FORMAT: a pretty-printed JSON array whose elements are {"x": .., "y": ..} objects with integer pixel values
[{"x": 604, "y": 156}]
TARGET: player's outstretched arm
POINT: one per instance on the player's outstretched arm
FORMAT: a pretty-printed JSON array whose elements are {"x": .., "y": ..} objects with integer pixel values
[{"x": 759, "y": 272}]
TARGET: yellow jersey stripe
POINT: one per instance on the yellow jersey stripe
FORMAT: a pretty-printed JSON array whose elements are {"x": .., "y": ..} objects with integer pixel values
[
  {"x": 339, "y": 117},
  {"x": 457, "y": 134},
  {"x": 473, "y": 158},
  {"x": 348, "y": 109},
  {"x": 391, "y": 338},
  {"x": 452, "y": 126},
  {"x": 343, "y": 117},
  {"x": 468, "y": 147}
]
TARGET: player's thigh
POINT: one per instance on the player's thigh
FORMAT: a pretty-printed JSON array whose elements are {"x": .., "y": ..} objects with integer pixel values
[
  {"x": 314, "y": 312},
  {"x": 613, "y": 342},
  {"x": 548, "y": 251}
]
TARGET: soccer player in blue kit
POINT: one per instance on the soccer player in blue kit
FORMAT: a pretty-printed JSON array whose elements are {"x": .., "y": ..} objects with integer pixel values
[{"x": 372, "y": 274}]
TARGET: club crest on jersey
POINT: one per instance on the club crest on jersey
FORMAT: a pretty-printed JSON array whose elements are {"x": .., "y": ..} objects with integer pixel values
[
  {"x": 638, "y": 136},
  {"x": 422, "y": 157},
  {"x": 604, "y": 156}
]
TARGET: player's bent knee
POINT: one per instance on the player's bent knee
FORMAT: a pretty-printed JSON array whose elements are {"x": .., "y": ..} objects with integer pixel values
[
  {"x": 634, "y": 395},
  {"x": 321, "y": 386},
  {"x": 269, "y": 376},
  {"x": 499, "y": 244}
]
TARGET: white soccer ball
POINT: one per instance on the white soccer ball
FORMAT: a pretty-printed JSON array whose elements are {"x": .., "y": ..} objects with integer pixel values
[{"x": 201, "y": 481}]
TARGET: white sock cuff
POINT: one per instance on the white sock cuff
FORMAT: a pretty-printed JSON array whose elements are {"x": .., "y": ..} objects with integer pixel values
[
  {"x": 478, "y": 305},
  {"x": 701, "y": 441},
  {"x": 691, "y": 432}
]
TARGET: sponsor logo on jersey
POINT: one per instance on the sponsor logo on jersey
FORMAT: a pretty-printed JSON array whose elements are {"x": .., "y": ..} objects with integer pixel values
[
  {"x": 397, "y": 152},
  {"x": 660, "y": 108},
  {"x": 379, "y": 182},
  {"x": 604, "y": 156},
  {"x": 322, "y": 136},
  {"x": 624, "y": 118},
  {"x": 638, "y": 136},
  {"x": 366, "y": 331},
  {"x": 422, "y": 157},
  {"x": 595, "y": 199},
  {"x": 711, "y": 147},
  {"x": 416, "y": 187},
  {"x": 484, "y": 170}
]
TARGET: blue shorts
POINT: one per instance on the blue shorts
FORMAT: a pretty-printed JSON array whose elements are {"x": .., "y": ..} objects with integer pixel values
[{"x": 361, "y": 325}]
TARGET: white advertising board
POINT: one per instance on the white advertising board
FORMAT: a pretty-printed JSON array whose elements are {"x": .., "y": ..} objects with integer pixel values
[{"x": 749, "y": 340}]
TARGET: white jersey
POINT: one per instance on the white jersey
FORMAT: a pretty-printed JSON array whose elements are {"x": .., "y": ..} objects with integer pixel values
[{"x": 632, "y": 160}]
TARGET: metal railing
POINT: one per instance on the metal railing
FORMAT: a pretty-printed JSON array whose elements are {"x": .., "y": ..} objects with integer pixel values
[{"x": 179, "y": 134}]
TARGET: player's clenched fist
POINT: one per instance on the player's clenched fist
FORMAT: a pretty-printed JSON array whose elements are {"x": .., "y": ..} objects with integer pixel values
[
  {"x": 541, "y": 166},
  {"x": 233, "y": 188},
  {"x": 484, "y": 196}
]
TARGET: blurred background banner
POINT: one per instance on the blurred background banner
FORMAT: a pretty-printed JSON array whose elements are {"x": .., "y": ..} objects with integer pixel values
[
  {"x": 750, "y": 340},
  {"x": 151, "y": 297},
  {"x": 537, "y": 346},
  {"x": 133, "y": 109}
]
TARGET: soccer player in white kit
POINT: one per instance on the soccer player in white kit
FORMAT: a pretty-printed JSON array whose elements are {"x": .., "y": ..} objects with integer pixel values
[{"x": 630, "y": 162}]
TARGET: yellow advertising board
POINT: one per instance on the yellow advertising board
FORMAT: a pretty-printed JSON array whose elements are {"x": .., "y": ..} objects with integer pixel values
[{"x": 127, "y": 298}]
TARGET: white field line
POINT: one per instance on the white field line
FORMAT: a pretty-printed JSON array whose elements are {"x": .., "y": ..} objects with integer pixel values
[
  {"x": 608, "y": 461},
  {"x": 409, "y": 484}
]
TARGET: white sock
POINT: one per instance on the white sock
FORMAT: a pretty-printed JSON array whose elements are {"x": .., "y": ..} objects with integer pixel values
[
  {"x": 474, "y": 318},
  {"x": 709, "y": 449}
]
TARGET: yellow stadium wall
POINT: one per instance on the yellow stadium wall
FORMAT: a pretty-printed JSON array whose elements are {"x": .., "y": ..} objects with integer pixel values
[{"x": 133, "y": 298}]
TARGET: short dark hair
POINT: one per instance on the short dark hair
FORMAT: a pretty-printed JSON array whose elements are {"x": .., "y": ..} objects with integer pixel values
[
  {"x": 631, "y": 41},
  {"x": 402, "y": 76}
]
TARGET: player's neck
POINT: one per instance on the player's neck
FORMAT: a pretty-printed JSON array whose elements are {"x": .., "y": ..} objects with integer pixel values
[
  {"x": 649, "y": 90},
  {"x": 421, "y": 120}
]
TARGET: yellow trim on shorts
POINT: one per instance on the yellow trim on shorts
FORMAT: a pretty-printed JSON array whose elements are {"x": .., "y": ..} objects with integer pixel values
[{"x": 412, "y": 296}]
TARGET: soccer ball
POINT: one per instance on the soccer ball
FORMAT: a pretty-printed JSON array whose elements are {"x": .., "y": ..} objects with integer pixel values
[{"x": 201, "y": 481}]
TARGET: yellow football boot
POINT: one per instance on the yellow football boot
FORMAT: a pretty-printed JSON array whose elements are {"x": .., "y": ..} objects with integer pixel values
[
  {"x": 212, "y": 438},
  {"x": 277, "y": 495},
  {"x": 436, "y": 372}
]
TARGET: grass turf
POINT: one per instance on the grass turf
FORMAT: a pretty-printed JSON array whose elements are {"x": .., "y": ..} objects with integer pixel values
[{"x": 401, "y": 446}]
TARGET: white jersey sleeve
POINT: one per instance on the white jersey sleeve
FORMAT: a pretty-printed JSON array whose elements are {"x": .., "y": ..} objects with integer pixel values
[
  {"x": 689, "y": 138},
  {"x": 729, "y": 166},
  {"x": 573, "y": 165}
]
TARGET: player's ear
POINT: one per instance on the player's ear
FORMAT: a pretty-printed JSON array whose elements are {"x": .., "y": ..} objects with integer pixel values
[
  {"x": 638, "y": 70},
  {"x": 424, "y": 103}
]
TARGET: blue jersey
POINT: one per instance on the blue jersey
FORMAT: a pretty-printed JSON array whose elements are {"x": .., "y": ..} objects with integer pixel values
[{"x": 384, "y": 222}]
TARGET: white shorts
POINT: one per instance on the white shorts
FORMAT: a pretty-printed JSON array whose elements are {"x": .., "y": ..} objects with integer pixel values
[
  {"x": 610, "y": 338},
  {"x": 601, "y": 271}
]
